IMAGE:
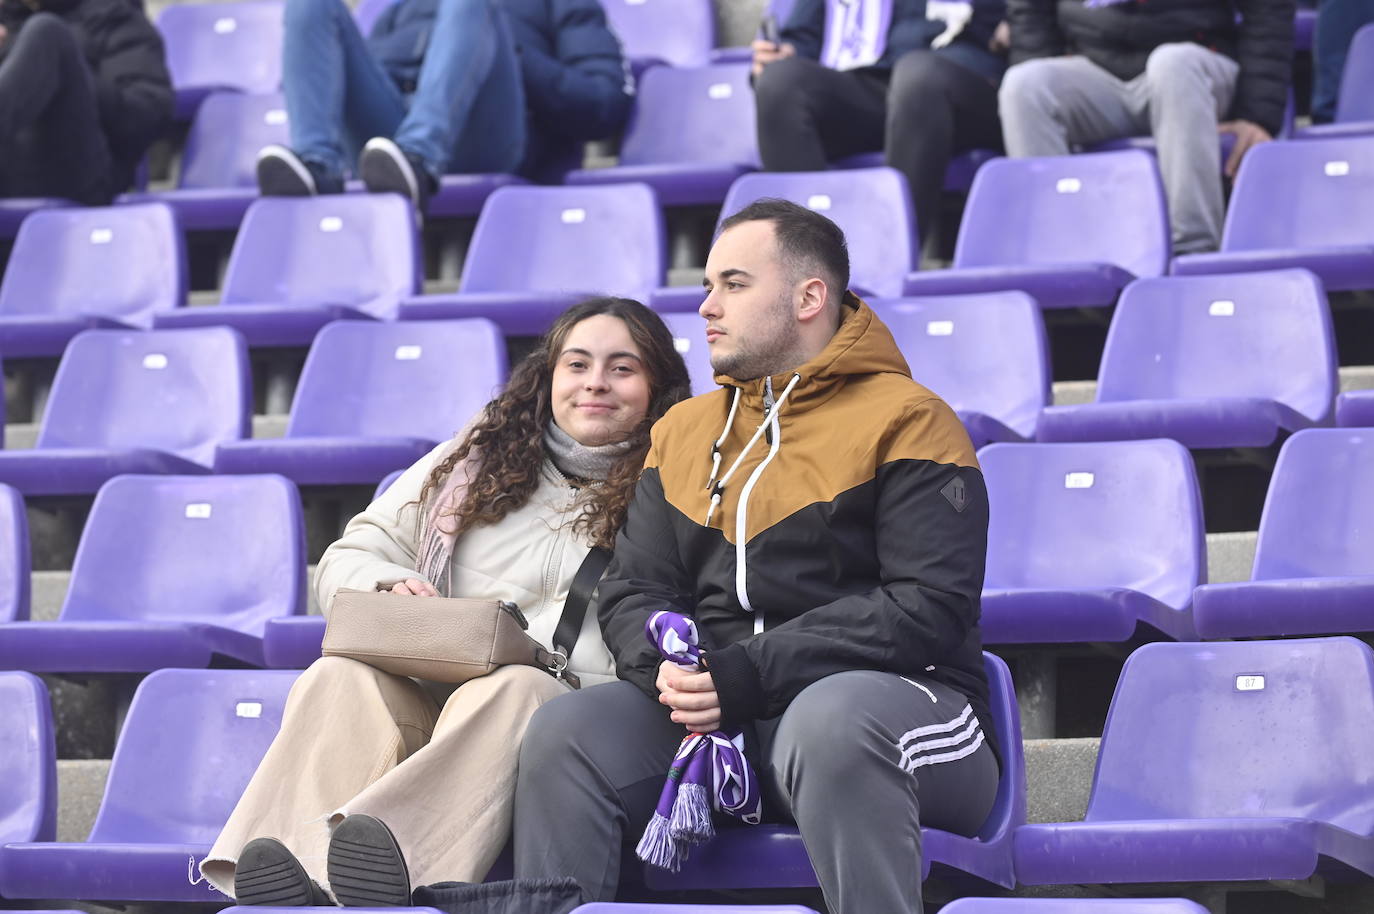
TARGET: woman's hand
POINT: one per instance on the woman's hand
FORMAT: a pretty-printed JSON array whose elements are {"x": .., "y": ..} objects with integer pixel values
[
  {"x": 414, "y": 587},
  {"x": 692, "y": 696}
]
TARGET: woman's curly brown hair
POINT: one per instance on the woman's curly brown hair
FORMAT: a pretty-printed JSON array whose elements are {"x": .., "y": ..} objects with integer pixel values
[{"x": 508, "y": 436}]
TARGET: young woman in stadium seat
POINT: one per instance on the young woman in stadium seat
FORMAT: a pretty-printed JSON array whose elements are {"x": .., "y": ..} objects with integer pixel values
[{"x": 508, "y": 510}]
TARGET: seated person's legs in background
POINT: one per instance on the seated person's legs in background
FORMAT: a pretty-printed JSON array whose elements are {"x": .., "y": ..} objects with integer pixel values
[
  {"x": 50, "y": 133},
  {"x": 1337, "y": 23},
  {"x": 1051, "y": 105},
  {"x": 809, "y": 115},
  {"x": 593, "y": 765}
]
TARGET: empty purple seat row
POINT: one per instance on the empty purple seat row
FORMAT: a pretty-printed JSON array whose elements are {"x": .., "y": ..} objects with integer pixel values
[
  {"x": 1355, "y": 107},
  {"x": 14, "y": 562}
]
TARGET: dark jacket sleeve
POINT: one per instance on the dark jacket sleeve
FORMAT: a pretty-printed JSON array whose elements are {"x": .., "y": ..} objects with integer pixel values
[
  {"x": 1264, "y": 49},
  {"x": 133, "y": 88},
  {"x": 931, "y": 553},
  {"x": 582, "y": 90},
  {"x": 805, "y": 28},
  {"x": 986, "y": 15},
  {"x": 12, "y": 14},
  {"x": 644, "y": 576},
  {"x": 1034, "y": 30}
]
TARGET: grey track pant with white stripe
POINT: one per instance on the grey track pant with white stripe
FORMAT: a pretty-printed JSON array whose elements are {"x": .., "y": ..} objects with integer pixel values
[{"x": 857, "y": 760}]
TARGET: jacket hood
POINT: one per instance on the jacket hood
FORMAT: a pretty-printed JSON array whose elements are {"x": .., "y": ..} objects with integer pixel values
[{"x": 862, "y": 345}]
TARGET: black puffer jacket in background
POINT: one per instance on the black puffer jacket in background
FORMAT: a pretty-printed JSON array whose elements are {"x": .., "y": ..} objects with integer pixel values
[
  {"x": 1120, "y": 37},
  {"x": 125, "y": 54}
]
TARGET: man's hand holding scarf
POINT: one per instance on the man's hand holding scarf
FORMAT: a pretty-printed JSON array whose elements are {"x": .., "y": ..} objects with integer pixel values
[{"x": 692, "y": 696}]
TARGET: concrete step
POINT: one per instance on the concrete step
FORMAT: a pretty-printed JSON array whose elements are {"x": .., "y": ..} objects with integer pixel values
[
  {"x": 23, "y": 435},
  {"x": 1069, "y": 393},
  {"x": 48, "y": 589}
]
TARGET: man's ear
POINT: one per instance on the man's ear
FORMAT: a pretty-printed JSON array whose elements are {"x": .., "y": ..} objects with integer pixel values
[{"x": 811, "y": 299}]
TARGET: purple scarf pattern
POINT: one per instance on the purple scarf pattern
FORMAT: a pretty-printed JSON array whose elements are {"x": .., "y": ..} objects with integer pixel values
[
  {"x": 855, "y": 33},
  {"x": 708, "y": 772}
]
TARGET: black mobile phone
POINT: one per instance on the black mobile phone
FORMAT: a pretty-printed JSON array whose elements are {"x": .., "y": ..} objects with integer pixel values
[{"x": 770, "y": 29}]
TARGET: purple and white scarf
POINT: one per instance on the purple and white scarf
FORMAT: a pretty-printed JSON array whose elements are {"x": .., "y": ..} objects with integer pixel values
[
  {"x": 1092, "y": 4},
  {"x": 709, "y": 771},
  {"x": 855, "y": 33}
]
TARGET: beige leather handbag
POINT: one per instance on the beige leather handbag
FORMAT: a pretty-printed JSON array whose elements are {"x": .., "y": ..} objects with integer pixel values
[{"x": 438, "y": 638}]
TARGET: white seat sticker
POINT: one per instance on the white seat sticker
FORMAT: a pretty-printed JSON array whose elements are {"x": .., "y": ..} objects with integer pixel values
[
  {"x": 1337, "y": 169},
  {"x": 682, "y": 344},
  {"x": 407, "y": 353},
  {"x": 249, "y": 709},
  {"x": 940, "y": 328},
  {"x": 155, "y": 361},
  {"x": 1250, "y": 682},
  {"x": 275, "y": 117},
  {"x": 574, "y": 216},
  {"x": 1222, "y": 308},
  {"x": 101, "y": 236},
  {"x": 331, "y": 224},
  {"x": 719, "y": 91},
  {"x": 226, "y": 25},
  {"x": 1079, "y": 480},
  {"x": 819, "y": 202},
  {"x": 1068, "y": 185},
  {"x": 198, "y": 510}
]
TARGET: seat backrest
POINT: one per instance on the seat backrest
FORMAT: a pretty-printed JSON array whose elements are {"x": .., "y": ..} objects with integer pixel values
[
  {"x": 1357, "y": 102},
  {"x": 224, "y": 45},
  {"x": 125, "y": 262},
  {"x": 1316, "y": 515},
  {"x": 1102, "y": 207},
  {"x": 1241, "y": 729},
  {"x": 689, "y": 338},
  {"x": 223, "y": 550},
  {"x": 1055, "y": 505},
  {"x": 28, "y": 761},
  {"x": 677, "y": 32},
  {"x": 692, "y": 114},
  {"x": 1303, "y": 195},
  {"x": 1264, "y": 335},
  {"x": 1009, "y": 808},
  {"x": 228, "y": 131},
  {"x": 358, "y": 250},
  {"x": 420, "y": 379},
  {"x": 14, "y": 563},
  {"x": 190, "y": 743},
  {"x": 182, "y": 391},
  {"x": 568, "y": 239},
  {"x": 1073, "y": 906},
  {"x": 981, "y": 353},
  {"x": 367, "y": 12},
  {"x": 870, "y": 205}
]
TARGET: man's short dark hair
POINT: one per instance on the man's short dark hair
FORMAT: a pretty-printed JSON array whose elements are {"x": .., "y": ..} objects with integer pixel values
[{"x": 808, "y": 242}]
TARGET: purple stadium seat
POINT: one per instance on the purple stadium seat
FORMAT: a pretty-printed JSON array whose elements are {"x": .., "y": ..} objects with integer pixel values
[
  {"x": 218, "y": 177},
  {"x": 292, "y": 642},
  {"x": 1208, "y": 772},
  {"x": 191, "y": 741},
  {"x": 690, "y": 136},
  {"x": 211, "y": 46},
  {"x": 610, "y": 907},
  {"x": 1071, "y": 231},
  {"x": 572, "y": 242},
  {"x": 377, "y": 397},
  {"x": 985, "y": 355},
  {"x": 772, "y": 856},
  {"x": 1314, "y": 570},
  {"x": 301, "y": 262},
  {"x": 1049, "y": 577},
  {"x": 679, "y": 33},
  {"x": 689, "y": 338},
  {"x": 256, "y": 909},
  {"x": 14, "y": 563},
  {"x": 958, "y": 176},
  {"x": 1355, "y": 107},
  {"x": 172, "y": 571},
  {"x": 1355, "y": 409},
  {"x": 1304, "y": 24},
  {"x": 28, "y": 761},
  {"x": 136, "y": 401},
  {"x": 1226, "y": 142},
  {"x": 14, "y": 210},
  {"x": 367, "y": 12},
  {"x": 1210, "y": 361},
  {"x": 1073, "y": 906},
  {"x": 77, "y": 268},
  {"x": 1295, "y": 205}
]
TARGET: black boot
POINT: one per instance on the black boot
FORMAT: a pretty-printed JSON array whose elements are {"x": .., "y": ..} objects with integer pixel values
[
  {"x": 269, "y": 874},
  {"x": 366, "y": 867}
]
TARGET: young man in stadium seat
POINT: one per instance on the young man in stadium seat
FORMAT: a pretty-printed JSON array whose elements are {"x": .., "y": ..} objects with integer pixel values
[
  {"x": 1086, "y": 71},
  {"x": 84, "y": 92},
  {"x": 832, "y": 561},
  {"x": 442, "y": 86},
  {"x": 922, "y": 90}
]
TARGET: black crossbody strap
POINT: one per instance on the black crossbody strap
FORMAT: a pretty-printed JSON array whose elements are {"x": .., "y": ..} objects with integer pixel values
[{"x": 579, "y": 595}]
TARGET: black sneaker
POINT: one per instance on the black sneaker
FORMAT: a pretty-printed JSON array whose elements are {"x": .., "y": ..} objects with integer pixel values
[
  {"x": 269, "y": 874},
  {"x": 387, "y": 168},
  {"x": 282, "y": 173},
  {"x": 366, "y": 867}
]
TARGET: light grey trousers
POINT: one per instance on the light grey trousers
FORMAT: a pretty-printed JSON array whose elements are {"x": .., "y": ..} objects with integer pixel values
[
  {"x": 1052, "y": 104},
  {"x": 860, "y": 760}
]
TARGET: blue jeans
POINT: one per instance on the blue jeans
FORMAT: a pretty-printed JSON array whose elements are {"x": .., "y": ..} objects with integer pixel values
[
  {"x": 467, "y": 113},
  {"x": 1337, "y": 23}
]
